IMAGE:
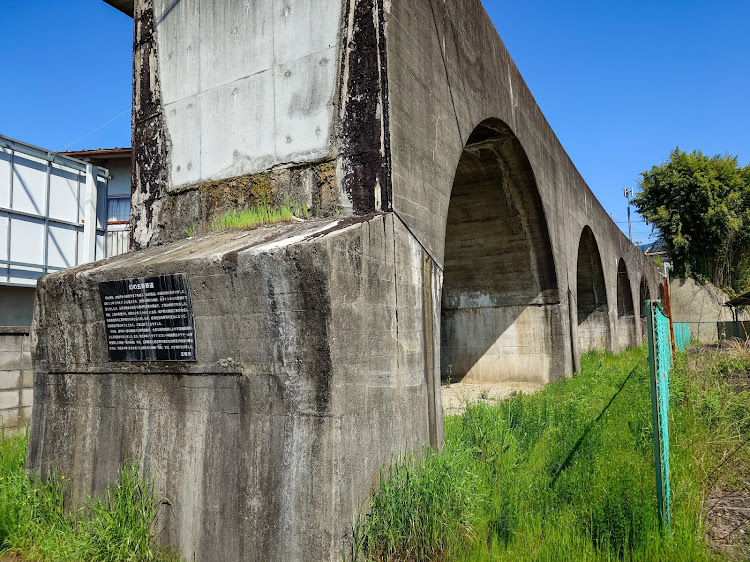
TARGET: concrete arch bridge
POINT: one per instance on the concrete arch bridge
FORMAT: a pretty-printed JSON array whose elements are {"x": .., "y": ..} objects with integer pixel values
[{"x": 447, "y": 232}]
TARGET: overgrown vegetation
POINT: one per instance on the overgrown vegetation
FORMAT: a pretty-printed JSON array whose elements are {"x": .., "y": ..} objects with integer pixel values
[
  {"x": 566, "y": 474},
  {"x": 258, "y": 216},
  {"x": 700, "y": 206},
  {"x": 35, "y": 526}
]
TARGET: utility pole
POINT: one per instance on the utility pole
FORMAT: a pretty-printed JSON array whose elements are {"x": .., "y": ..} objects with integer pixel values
[{"x": 628, "y": 192}]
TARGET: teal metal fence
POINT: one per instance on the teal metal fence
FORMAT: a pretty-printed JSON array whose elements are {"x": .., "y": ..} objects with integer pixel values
[
  {"x": 681, "y": 335},
  {"x": 660, "y": 361}
]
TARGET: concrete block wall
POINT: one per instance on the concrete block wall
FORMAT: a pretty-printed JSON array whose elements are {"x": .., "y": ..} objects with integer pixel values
[
  {"x": 702, "y": 306},
  {"x": 16, "y": 378}
]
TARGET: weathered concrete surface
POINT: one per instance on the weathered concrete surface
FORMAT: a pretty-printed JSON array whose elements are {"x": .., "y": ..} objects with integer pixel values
[
  {"x": 315, "y": 365},
  {"x": 626, "y": 318},
  {"x": 16, "y": 378},
  {"x": 224, "y": 90},
  {"x": 233, "y": 63},
  {"x": 501, "y": 316},
  {"x": 594, "y": 328},
  {"x": 449, "y": 73},
  {"x": 426, "y": 107},
  {"x": 434, "y": 153}
]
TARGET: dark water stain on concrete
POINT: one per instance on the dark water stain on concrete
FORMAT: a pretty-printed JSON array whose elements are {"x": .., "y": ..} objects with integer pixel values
[{"x": 365, "y": 129}]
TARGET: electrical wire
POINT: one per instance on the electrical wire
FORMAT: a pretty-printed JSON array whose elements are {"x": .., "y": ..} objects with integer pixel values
[{"x": 95, "y": 130}]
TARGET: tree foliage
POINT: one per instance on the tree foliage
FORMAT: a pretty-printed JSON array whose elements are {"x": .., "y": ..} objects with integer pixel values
[{"x": 700, "y": 207}]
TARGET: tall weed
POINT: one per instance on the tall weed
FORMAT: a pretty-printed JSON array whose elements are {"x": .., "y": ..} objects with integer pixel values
[
  {"x": 565, "y": 474},
  {"x": 35, "y": 523}
]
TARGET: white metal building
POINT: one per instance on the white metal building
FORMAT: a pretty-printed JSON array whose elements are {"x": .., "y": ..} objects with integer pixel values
[
  {"x": 53, "y": 215},
  {"x": 117, "y": 161}
]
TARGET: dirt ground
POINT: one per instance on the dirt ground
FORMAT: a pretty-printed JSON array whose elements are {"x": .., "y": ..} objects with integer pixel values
[
  {"x": 456, "y": 395},
  {"x": 728, "y": 522},
  {"x": 727, "y": 510}
]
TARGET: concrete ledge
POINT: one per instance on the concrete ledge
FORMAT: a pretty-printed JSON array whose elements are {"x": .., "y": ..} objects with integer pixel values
[{"x": 20, "y": 330}]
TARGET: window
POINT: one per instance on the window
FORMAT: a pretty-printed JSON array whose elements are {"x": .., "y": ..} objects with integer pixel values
[{"x": 118, "y": 209}]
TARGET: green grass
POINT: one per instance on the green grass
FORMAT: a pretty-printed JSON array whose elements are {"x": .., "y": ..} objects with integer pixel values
[
  {"x": 565, "y": 474},
  {"x": 258, "y": 216},
  {"x": 35, "y": 525}
]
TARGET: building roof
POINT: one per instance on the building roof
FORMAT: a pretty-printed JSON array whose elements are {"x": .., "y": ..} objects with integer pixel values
[
  {"x": 125, "y": 6},
  {"x": 654, "y": 248},
  {"x": 742, "y": 300},
  {"x": 99, "y": 154}
]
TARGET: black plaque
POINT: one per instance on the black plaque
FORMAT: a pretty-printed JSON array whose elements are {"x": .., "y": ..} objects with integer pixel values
[{"x": 149, "y": 319}]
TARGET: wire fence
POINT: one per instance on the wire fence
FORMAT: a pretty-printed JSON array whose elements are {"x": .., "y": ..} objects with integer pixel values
[
  {"x": 660, "y": 361},
  {"x": 681, "y": 335}
]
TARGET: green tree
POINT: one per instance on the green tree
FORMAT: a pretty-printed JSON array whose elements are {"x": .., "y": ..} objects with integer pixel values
[{"x": 700, "y": 207}]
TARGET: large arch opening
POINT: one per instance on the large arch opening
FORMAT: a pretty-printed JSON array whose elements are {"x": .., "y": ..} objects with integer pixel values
[
  {"x": 500, "y": 309},
  {"x": 591, "y": 296},
  {"x": 626, "y": 330}
]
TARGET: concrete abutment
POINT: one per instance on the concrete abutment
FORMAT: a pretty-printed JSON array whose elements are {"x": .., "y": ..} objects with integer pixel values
[{"x": 315, "y": 352}]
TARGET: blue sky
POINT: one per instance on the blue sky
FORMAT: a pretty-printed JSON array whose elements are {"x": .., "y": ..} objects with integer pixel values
[{"x": 621, "y": 83}]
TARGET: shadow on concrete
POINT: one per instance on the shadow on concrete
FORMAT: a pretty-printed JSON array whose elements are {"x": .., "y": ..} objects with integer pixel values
[
  {"x": 500, "y": 313},
  {"x": 591, "y": 296},
  {"x": 626, "y": 321}
]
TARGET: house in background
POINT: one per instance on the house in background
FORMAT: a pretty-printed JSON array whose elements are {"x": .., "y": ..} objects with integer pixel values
[
  {"x": 117, "y": 161},
  {"x": 48, "y": 202}
]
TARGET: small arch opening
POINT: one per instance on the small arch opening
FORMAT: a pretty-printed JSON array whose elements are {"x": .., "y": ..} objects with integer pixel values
[
  {"x": 591, "y": 296},
  {"x": 645, "y": 295},
  {"x": 626, "y": 327}
]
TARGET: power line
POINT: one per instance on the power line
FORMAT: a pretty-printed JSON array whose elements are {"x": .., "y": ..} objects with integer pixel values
[{"x": 95, "y": 130}]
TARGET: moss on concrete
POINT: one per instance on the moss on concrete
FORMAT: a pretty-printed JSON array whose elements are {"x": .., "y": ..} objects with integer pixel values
[{"x": 191, "y": 210}]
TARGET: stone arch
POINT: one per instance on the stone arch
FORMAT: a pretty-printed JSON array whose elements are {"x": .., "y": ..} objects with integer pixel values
[
  {"x": 500, "y": 308},
  {"x": 591, "y": 296},
  {"x": 626, "y": 319}
]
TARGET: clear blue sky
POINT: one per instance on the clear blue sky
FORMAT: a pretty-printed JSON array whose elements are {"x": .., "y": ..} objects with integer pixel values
[{"x": 621, "y": 83}]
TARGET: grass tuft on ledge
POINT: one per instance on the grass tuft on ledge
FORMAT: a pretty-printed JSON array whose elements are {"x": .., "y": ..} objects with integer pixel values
[{"x": 258, "y": 216}]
